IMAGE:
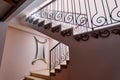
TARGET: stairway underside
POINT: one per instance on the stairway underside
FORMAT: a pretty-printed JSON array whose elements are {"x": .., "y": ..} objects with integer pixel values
[{"x": 66, "y": 36}]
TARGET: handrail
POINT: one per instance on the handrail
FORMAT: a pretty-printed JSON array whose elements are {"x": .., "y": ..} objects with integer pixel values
[
  {"x": 85, "y": 15},
  {"x": 44, "y": 6},
  {"x": 47, "y": 4},
  {"x": 58, "y": 54},
  {"x": 50, "y": 56}
]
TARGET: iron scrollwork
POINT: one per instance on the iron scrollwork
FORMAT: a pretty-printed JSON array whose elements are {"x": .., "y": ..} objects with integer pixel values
[
  {"x": 104, "y": 33},
  {"x": 69, "y": 18},
  {"x": 115, "y": 14},
  {"x": 116, "y": 31},
  {"x": 59, "y": 16},
  {"x": 95, "y": 35},
  {"x": 83, "y": 37},
  {"x": 82, "y": 20},
  {"x": 51, "y": 15}
]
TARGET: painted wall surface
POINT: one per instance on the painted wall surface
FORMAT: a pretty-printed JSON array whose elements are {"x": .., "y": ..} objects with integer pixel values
[
  {"x": 3, "y": 30},
  {"x": 53, "y": 42},
  {"x": 96, "y": 59},
  {"x": 19, "y": 52}
]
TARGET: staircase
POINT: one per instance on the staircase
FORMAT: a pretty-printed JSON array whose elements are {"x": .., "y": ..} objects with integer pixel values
[
  {"x": 59, "y": 65},
  {"x": 78, "y": 19},
  {"x": 64, "y": 23},
  {"x": 44, "y": 74}
]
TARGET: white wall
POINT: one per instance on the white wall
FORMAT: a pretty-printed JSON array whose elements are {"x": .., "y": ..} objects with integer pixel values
[
  {"x": 19, "y": 52},
  {"x": 3, "y": 30},
  {"x": 53, "y": 42}
]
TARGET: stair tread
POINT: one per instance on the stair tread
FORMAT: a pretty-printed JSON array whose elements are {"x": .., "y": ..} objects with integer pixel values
[
  {"x": 42, "y": 72},
  {"x": 35, "y": 78},
  {"x": 64, "y": 63},
  {"x": 57, "y": 67},
  {"x": 47, "y": 22},
  {"x": 54, "y": 25},
  {"x": 52, "y": 71}
]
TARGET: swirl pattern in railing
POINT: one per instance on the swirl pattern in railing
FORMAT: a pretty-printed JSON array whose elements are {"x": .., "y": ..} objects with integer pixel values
[
  {"x": 58, "y": 54},
  {"x": 83, "y": 14}
]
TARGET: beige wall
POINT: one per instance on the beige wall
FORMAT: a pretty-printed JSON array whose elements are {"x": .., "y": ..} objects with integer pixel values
[
  {"x": 19, "y": 52},
  {"x": 3, "y": 30}
]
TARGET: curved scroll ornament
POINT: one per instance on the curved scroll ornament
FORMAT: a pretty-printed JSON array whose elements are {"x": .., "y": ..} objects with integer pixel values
[
  {"x": 51, "y": 15},
  {"x": 116, "y": 31},
  {"x": 43, "y": 14},
  {"x": 98, "y": 20},
  {"x": 95, "y": 35},
  {"x": 85, "y": 37},
  {"x": 82, "y": 20},
  {"x": 115, "y": 14},
  {"x": 58, "y": 16},
  {"x": 69, "y": 18},
  {"x": 104, "y": 34},
  {"x": 40, "y": 51},
  {"x": 77, "y": 37}
]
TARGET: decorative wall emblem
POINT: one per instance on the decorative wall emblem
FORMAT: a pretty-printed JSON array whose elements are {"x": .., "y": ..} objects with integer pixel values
[{"x": 40, "y": 51}]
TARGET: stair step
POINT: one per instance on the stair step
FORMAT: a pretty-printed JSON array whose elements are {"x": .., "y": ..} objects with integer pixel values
[
  {"x": 48, "y": 25},
  {"x": 33, "y": 78},
  {"x": 41, "y": 74},
  {"x": 52, "y": 72},
  {"x": 56, "y": 28},
  {"x": 67, "y": 32},
  {"x": 36, "y": 21},
  {"x": 68, "y": 61},
  {"x": 40, "y": 24},
  {"x": 58, "y": 70},
  {"x": 57, "y": 67},
  {"x": 64, "y": 63}
]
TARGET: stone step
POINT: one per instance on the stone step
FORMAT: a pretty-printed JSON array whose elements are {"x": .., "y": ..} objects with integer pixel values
[
  {"x": 41, "y": 74},
  {"x": 33, "y": 78}
]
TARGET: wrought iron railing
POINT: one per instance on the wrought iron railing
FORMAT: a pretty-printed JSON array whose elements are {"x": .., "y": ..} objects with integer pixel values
[
  {"x": 82, "y": 15},
  {"x": 58, "y": 54}
]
